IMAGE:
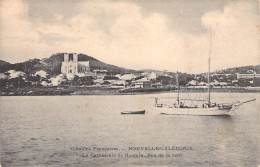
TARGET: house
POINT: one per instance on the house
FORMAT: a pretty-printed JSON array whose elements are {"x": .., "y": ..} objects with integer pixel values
[
  {"x": 118, "y": 75},
  {"x": 235, "y": 81},
  {"x": 55, "y": 81},
  {"x": 145, "y": 74},
  {"x": 152, "y": 76},
  {"x": 118, "y": 83},
  {"x": 127, "y": 77},
  {"x": 41, "y": 73},
  {"x": 202, "y": 84},
  {"x": 216, "y": 83},
  {"x": 99, "y": 81},
  {"x": 44, "y": 83},
  {"x": 3, "y": 76},
  {"x": 223, "y": 84},
  {"x": 219, "y": 83},
  {"x": 99, "y": 73},
  {"x": 145, "y": 83},
  {"x": 141, "y": 83},
  {"x": 15, "y": 74},
  {"x": 193, "y": 83},
  {"x": 248, "y": 75}
]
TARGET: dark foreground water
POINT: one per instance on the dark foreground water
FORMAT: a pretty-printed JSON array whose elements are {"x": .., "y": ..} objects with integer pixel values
[{"x": 77, "y": 130}]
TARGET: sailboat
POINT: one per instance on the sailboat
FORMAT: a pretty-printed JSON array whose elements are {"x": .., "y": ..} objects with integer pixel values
[{"x": 207, "y": 108}]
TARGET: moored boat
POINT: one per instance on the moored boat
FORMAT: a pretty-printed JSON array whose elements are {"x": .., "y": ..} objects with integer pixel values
[
  {"x": 133, "y": 112},
  {"x": 214, "y": 111},
  {"x": 205, "y": 108}
]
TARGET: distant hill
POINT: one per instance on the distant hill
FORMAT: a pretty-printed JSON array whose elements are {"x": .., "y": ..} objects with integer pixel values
[
  {"x": 241, "y": 70},
  {"x": 158, "y": 72},
  {"x": 2, "y": 63},
  {"x": 4, "y": 66},
  {"x": 52, "y": 65},
  {"x": 233, "y": 70}
]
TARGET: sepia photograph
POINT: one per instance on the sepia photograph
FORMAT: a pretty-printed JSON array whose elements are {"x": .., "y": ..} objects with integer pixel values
[{"x": 129, "y": 83}]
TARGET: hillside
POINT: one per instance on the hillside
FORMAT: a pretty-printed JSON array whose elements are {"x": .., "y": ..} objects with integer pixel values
[
  {"x": 52, "y": 65},
  {"x": 158, "y": 72},
  {"x": 241, "y": 70},
  {"x": 3, "y": 63},
  {"x": 4, "y": 66}
]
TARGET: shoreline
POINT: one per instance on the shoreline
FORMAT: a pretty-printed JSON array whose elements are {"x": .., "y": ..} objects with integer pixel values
[{"x": 85, "y": 91}]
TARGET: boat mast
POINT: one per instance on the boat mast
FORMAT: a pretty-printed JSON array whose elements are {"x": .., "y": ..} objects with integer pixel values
[
  {"x": 177, "y": 80},
  {"x": 209, "y": 70}
]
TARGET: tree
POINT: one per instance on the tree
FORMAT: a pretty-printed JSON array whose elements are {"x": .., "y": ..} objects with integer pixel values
[
  {"x": 88, "y": 80},
  {"x": 165, "y": 80}
]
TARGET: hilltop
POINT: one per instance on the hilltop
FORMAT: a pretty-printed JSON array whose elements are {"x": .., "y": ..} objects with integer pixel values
[
  {"x": 4, "y": 66},
  {"x": 240, "y": 70},
  {"x": 52, "y": 65}
]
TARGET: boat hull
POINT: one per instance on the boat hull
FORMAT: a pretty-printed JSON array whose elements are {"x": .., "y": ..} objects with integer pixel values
[
  {"x": 214, "y": 111},
  {"x": 133, "y": 112}
]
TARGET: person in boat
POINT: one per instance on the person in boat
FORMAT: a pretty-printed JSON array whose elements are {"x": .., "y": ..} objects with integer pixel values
[
  {"x": 205, "y": 105},
  {"x": 181, "y": 105}
]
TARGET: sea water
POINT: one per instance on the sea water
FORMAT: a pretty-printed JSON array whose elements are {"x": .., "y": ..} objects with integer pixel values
[{"x": 90, "y": 131}]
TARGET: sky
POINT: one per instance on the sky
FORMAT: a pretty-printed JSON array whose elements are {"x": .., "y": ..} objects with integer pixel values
[{"x": 136, "y": 34}]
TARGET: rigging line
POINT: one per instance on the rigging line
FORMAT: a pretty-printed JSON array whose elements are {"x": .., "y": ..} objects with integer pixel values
[
  {"x": 209, "y": 69},
  {"x": 234, "y": 111}
]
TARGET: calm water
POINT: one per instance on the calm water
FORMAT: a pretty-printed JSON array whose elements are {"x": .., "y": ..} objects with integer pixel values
[{"x": 41, "y": 131}]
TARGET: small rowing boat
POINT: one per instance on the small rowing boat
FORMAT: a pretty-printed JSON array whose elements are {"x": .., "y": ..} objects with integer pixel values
[{"x": 133, "y": 112}]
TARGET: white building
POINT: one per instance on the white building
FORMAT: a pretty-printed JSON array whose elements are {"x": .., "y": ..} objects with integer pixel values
[
  {"x": 141, "y": 83},
  {"x": 100, "y": 73},
  {"x": 44, "y": 83},
  {"x": 193, "y": 83},
  {"x": 15, "y": 74},
  {"x": 152, "y": 76},
  {"x": 145, "y": 83},
  {"x": 71, "y": 65},
  {"x": 128, "y": 77},
  {"x": 41, "y": 73},
  {"x": 3, "y": 76},
  {"x": 202, "y": 84},
  {"x": 248, "y": 76},
  {"x": 55, "y": 81},
  {"x": 218, "y": 83}
]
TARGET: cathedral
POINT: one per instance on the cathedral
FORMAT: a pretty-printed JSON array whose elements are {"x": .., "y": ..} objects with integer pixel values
[{"x": 71, "y": 65}]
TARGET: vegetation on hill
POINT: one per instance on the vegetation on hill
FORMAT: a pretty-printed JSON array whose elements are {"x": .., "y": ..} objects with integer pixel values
[
  {"x": 4, "y": 66},
  {"x": 241, "y": 70},
  {"x": 52, "y": 65}
]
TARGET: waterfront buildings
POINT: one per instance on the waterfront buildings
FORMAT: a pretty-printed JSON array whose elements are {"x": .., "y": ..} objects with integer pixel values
[
  {"x": 249, "y": 75},
  {"x": 145, "y": 83}
]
